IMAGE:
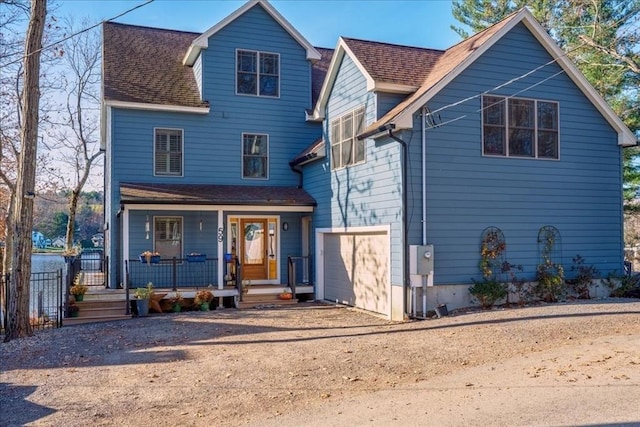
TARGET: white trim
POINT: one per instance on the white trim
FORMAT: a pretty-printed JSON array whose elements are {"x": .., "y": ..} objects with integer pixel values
[
  {"x": 207, "y": 208},
  {"x": 220, "y": 251},
  {"x": 404, "y": 119},
  {"x": 258, "y": 53},
  {"x": 202, "y": 42},
  {"x": 182, "y": 153},
  {"x": 125, "y": 244},
  {"x": 266, "y": 178},
  {"x": 157, "y": 107},
  {"x": 319, "y": 249},
  {"x": 393, "y": 88}
]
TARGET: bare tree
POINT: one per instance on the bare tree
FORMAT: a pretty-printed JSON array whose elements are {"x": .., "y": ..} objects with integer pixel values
[
  {"x": 22, "y": 211},
  {"x": 77, "y": 138}
]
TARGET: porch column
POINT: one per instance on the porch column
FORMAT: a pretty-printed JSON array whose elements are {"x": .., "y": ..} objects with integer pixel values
[{"x": 221, "y": 231}]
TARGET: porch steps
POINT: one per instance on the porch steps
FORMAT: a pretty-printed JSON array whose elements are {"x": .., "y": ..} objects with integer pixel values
[
  {"x": 258, "y": 300},
  {"x": 99, "y": 305}
]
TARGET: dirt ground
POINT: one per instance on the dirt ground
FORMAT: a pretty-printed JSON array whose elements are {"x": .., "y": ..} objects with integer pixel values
[{"x": 313, "y": 364}]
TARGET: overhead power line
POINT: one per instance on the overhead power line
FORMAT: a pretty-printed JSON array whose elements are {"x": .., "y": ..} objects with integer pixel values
[{"x": 72, "y": 35}]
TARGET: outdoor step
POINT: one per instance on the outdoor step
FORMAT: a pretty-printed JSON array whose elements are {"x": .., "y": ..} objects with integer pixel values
[
  {"x": 71, "y": 321},
  {"x": 101, "y": 311},
  {"x": 269, "y": 302},
  {"x": 86, "y": 304}
]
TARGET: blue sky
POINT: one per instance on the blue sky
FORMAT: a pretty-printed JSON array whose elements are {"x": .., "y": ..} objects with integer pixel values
[{"x": 424, "y": 23}]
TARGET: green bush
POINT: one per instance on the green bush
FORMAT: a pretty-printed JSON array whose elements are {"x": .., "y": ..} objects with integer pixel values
[
  {"x": 488, "y": 291},
  {"x": 551, "y": 286}
]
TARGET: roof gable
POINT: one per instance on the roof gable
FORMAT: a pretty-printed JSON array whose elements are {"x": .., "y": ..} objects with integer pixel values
[
  {"x": 457, "y": 58},
  {"x": 202, "y": 42}
]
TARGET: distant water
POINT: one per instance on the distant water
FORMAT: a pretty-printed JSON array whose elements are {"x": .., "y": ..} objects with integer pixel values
[{"x": 41, "y": 263}]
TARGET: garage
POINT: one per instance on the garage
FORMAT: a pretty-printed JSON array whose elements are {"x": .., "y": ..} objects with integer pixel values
[{"x": 356, "y": 270}]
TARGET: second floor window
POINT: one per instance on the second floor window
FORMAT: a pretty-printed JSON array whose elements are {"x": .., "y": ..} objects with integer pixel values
[
  {"x": 346, "y": 149},
  {"x": 168, "y": 152},
  {"x": 516, "y": 127},
  {"x": 168, "y": 237},
  {"x": 258, "y": 73},
  {"x": 255, "y": 156}
]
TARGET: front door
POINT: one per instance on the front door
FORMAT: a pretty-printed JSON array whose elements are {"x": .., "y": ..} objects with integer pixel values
[{"x": 253, "y": 248}]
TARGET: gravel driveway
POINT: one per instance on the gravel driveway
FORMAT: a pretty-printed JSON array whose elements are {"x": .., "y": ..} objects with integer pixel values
[{"x": 323, "y": 365}]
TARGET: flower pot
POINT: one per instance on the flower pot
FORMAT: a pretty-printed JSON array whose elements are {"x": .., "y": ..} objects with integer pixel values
[
  {"x": 176, "y": 308},
  {"x": 197, "y": 258},
  {"x": 79, "y": 297},
  {"x": 75, "y": 313},
  {"x": 285, "y": 296},
  {"x": 204, "y": 306},
  {"x": 143, "y": 307},
  {"x": 153, "y": 259},
  {"x": 441, "y": 310}
]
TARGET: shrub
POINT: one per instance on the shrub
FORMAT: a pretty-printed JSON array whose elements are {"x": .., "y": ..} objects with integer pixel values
[
  {"x": 586, "y": 274},
  {"x": 550, "y": 278},
  {"x": 488, "y": 291},
  {"x": 623, "y": 286}
]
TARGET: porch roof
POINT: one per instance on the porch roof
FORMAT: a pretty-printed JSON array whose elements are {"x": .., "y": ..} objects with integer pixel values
[{"x": 208, "y": 194}]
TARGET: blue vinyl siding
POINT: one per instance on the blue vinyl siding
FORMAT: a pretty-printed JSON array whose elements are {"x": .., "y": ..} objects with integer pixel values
[
  {"x": 579, "y": 194},
  {"x": 367, "y": 194},
  {"x": 386, "y": 101},
  {"x": 212, "y": 143}
]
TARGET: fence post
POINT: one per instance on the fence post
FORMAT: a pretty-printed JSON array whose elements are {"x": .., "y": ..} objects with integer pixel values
[{"x": 175, "y": 274}]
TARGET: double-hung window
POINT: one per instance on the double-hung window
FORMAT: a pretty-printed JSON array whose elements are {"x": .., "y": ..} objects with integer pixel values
[
  {"x": 346, "y": 149},
  {"x": 257, "y": 73},
  {"x": 168, "y": 152},
  {"x": 255, "y": 156},
  {"x": 168, "y": 237},
  {"x": 515, "y": 127}
]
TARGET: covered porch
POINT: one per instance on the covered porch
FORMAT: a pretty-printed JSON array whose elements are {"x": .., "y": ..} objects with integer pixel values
[{"x": 224, "y": 238}]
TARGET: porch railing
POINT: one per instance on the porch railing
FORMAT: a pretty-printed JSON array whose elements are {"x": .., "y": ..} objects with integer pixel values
[
  {"x": 172, "y": 273},
  {"x": 299, "y": 272}
]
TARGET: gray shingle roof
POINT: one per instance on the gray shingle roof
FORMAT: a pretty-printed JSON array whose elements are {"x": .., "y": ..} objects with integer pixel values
[
  {"x": 142, "y": 193},
  {"x": 144, "y": 65},
  {"x": 391, "y": 63}
]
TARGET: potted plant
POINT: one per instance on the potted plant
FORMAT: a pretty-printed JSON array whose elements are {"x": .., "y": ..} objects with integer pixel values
[
  {"x": 176, "y": 301},
  {"x": 78, "y": 290},
  {"x": 150, "y": 257},
  {"x": 246, "y": 284},
  {"x": 286, "y": 294},
  {"x": 203, "y": 299},
  {"x": 143, "y": 296},
  {"x": 72, "y": 308}
]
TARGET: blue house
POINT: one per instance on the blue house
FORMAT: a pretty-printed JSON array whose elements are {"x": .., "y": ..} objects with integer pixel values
[{"x": 379, "y": 164}]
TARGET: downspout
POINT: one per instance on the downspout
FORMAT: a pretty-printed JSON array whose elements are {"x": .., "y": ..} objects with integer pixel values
[
  {"x": 424, "y": 176},
  {"x": 297, "y": 169},
  {"x": 405, "y": 226}
]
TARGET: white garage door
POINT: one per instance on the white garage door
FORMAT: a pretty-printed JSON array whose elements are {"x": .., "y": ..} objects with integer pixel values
[{"x": 356, "y": 270}]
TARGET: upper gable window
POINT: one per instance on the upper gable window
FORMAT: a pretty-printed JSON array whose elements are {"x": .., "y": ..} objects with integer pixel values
[
  {"x": 346, "y": 149},
  {"x": 255, "y": 156},
  {"x": 168, "y": 152},
  {"x": 258, "y": 73},
  {"x": 516, "y": 127}
]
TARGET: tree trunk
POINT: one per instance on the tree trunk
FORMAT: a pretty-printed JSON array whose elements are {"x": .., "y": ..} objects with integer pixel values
[
  {"x": 20, "y": 276},
  {"x": 73, "y": 207}
]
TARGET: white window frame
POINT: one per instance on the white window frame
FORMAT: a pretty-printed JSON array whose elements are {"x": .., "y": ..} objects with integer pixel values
[
  {"x": 242, "y": 155},
  {"x": 338, "y": 142},
  {"x": 165, "y": 218},
  {"x": 168, "y": 130},
  {"x": 258, "y": 54},
  {"x": 506, "y": 127}
]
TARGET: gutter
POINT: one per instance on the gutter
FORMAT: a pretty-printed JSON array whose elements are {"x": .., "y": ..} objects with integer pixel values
[{"x": 389, "y": 128}]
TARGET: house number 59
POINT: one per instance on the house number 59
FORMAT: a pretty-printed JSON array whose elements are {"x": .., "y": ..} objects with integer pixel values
[{"x": 220, "y": 234}]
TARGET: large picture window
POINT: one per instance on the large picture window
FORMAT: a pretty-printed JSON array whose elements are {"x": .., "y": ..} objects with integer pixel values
[
  {"x": 346, "y": 149},
  {"x": 516, "y": 127},
  {"x": 255, "y": 156},
  {"x": 168, "y": 237},
  {"x": 258, "y": 73},
  {"x": 168, "y": 152}
]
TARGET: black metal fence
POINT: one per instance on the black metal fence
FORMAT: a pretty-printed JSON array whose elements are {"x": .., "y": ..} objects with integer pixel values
[
  {"x": 299, "y": 272},
  {"x": 45, "y": 300},
  {"x": 172, "y": 273}
]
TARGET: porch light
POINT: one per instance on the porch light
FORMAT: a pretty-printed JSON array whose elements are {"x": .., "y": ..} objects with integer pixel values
[
  {"x": 200, "y": 224},
  {"x": 147, "y": 227},
  {"x": 285, "y": 226}
]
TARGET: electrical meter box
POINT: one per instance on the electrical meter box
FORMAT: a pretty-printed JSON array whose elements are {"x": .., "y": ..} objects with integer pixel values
[{"x": 424, "y": 260}]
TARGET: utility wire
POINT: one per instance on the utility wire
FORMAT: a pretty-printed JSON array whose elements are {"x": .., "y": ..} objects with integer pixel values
[{"x": 72, "y": 35}]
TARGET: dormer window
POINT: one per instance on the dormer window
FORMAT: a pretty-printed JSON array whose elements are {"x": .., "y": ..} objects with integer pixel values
[{"x": 258, "y": 73}]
